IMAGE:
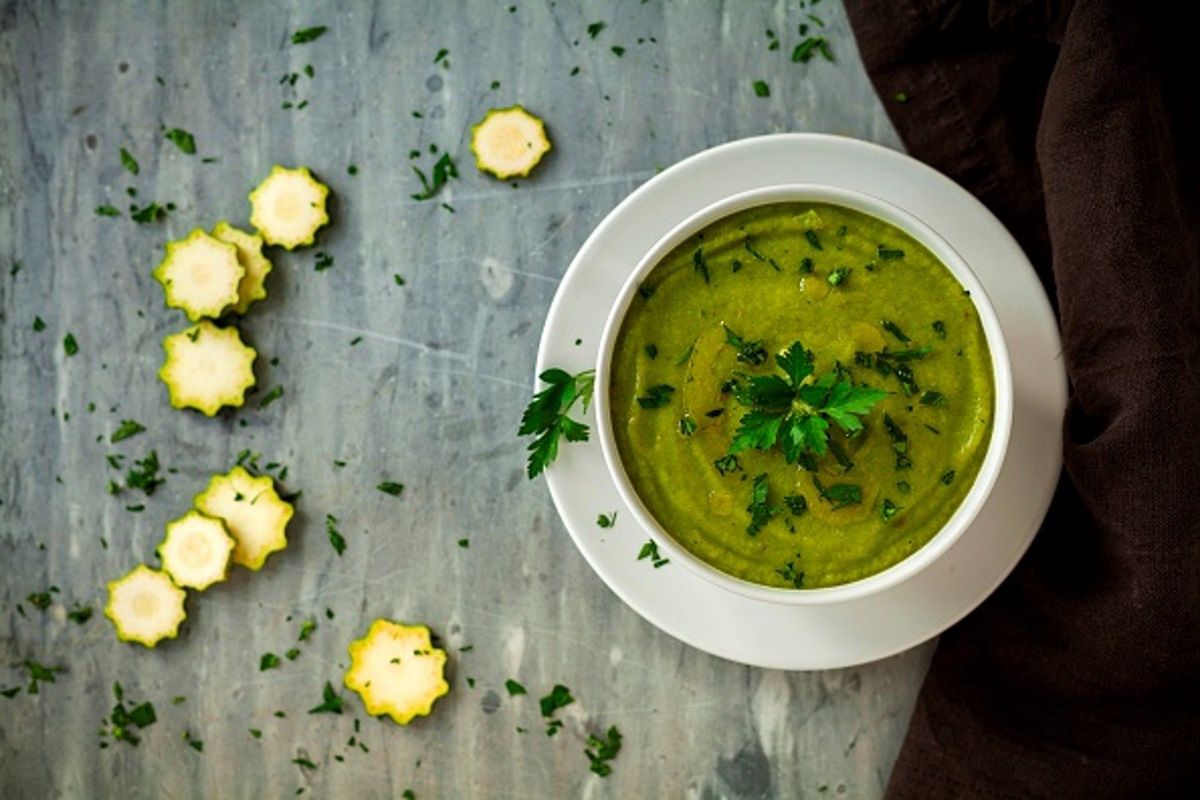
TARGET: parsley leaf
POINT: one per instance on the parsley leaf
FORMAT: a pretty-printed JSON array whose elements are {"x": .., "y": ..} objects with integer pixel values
[
  {"x": 306, "y": 35},
  {"x": 607, "y": 520},
  {"x": 335, "y": 537},
  {"x": 790, "y": 574},
  {"x": 129, "y": 162},
  {"x": 656, "y": 396},
  {"x": 268, "y": 661},
  {"x": 107, "y": 211},
  {"x": 183, "y": 140},
  {"x": 795, "y": 415},
  {"x": 127, "y": 429},
  {"x": 601, "y": 751},
  {"x": 559, "y": 696},
  {"x": 748, "y": 352},
  {"x": 650, "y": 550},
  {"x": 839, "y": 494},
  {"x": 760, "y": 511},
  {"x": 70, "y": 346},
  {"x": 514, "y": 688},
  {"x": 546, "y": 416},
  {"x": 391, "y": 487},
  {"x": 761, "y": 89},
  {"x": 443, "y": 170},
  {"x": 331, "y": 702}
]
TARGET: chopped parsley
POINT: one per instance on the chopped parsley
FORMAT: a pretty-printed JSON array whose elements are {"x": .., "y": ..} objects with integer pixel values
[
  {"x": 331, "y": 702},
  {"x": 889, "y": 254},
  {"x": 601, "y": 751},
  {"x": 811, "y": 47},
  {"x": 546, "y": 416},
  {"x": 792, "y": 575},
  {"x": 194, "y": 743},
  {"x": 594, "y": 28},
  {"x": 786, "y": 411},
  {"x": 39, "y": 325},
  {"x": 270, "y": 397},
  {"x": 939, "y": 328},
  {"x": 899, "y": 442},
  {"x": 324, "y": 262},
  {"x": 760, "y": 511},
  {"x": 651, "y": 351},
  {"x": 443, "y": 170},
  {"x": 753, "y": 352},
  {"x": 839, "y": 495},
  {"x": 464, "y": 543},
  {"x": 129, "y": 162},
  {"x": 932, "y": 398},
  {"x": 306, "y": 35},
  {"x": 128, "y": 428},
  {"x": 838, "y": 276},
  {"x": 398, "y": 280},
  {"x": 796, "y": 504},
  {"x": 888, "y": 510},
  {"x": 947, "y": 477},
  {"x": 761, "y": 89},
  {"x": 306, "y": 629},
  {"x": 336, "y": 540},
  {"x": 618, "y": 51},
  {"x": 70, "y": 346},
  {"x": 123, "y": 721},
  {"x": 183, "y": 140},
  {"x": 80, "y": 615},
  {"x": 650, "y": 550},
  {"x": 268, "y": 661},
  {"x": 607, "y": 520},
  {"x": 514, "y": 688},
  {"x": 559, "y": 697},
  {"x": 699, "y": 265},
  {"x": 894, "y": 330},
  {"x": 727, "y": 463},
  {"x": 656, "y": 396},
  {"x": 813, "y": 239},
  {"x": 144, "y": 474},
  {"x": 150, "y": 213},
  {"x": 391, "y": 487},
  {"x": 687, "y": 425},
  {"x": 107, "y": 211},
  {"x": 305, "y": 763}
]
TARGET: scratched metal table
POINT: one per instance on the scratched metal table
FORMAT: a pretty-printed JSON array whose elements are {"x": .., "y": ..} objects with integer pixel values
[{"x": 421, "y": 384}]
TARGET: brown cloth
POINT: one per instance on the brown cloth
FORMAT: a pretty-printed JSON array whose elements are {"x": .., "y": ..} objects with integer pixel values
[{"x": 1077, "y": 125}]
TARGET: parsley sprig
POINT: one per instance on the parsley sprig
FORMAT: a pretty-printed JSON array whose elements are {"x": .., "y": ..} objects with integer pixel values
[
  {"x": 787, "y": 411},
  {"x": 546, "y": 416}
]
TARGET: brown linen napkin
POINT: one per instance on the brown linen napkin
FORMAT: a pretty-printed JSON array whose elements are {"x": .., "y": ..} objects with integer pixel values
[{"x": 1078, "y": 126}]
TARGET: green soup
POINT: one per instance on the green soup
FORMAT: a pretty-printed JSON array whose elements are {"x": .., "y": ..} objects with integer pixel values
[{"x": 698, "y": 354}]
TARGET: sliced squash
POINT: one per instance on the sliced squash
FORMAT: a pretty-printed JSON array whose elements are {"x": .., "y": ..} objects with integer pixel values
[
  {"x": 250, "y": 256},
  {"x": 252, "y": 511},
  {"x": 288, "y": 207},
  {"x": 200, "y": 275},
  {"x": 397, "y": 671},
  {"x": 207, "y": 367},
  {"x": 195, "y": 551},
  {"x": 145, "y": 606},
  {"x": 509, "y": 142}
]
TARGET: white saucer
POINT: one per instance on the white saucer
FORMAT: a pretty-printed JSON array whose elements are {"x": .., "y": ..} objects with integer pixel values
[{"x": 822, "y": 636}]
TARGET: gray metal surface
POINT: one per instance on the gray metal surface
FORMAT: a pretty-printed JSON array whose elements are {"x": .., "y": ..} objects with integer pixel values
[{"x": 421, "y": 384}]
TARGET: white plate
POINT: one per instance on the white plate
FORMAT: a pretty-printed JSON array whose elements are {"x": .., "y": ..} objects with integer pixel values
[{"x": 824, "y": 636}]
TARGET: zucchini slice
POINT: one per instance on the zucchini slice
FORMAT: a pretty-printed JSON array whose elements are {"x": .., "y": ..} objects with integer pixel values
[
  {"x": 250, "y": 256},
  {"x": 509, "y": 142},
  {"x": 397, "y": 671},
  {"x": 145, "y": 606},
  {"x": 195, "y": 551},
  {"x": 207, "y": 367},
  {"x": 251, "y": 510},
  {"x": 200, "y": 275},
  {"x": 288, "y": 207}
]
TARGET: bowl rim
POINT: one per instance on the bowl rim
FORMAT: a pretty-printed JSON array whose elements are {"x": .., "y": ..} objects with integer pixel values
[{"x": 989, "y": 470}]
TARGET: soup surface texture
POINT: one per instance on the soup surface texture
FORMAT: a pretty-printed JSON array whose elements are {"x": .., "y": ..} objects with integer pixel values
[{"x": 812, "y": 464}]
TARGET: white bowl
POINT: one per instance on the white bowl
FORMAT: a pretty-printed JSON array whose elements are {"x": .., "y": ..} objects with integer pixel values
[{"x": 932, "y": 550}]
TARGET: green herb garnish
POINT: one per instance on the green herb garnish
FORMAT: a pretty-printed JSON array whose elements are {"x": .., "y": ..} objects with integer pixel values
[
  {"x": 607, "y": 520},
  {"x": 932, "y": 398},
  {"x": 687, "y": 425},
  {"x": 514, "y": 688},
  {"x": 391, "y": 487},
  {"x": 129, "y": 162},
  {"x": 324, "y": 261},
  {"x": 899, "y": 442},
  {"x": 150, "y": 213},
  {"x": 947, "y": 477},
  {"x": 656, "y": 396},
  {"x": 305, "y": 762},
  {"x": 786, "y": 411},
  {"x": 331, "y": 702},
  {"x": 107, "y": 211},
  {"x": 443, "y": 170},
  {"x": 939, "y": 328},
  {"x": 335, "y": 537},
  {"x": 699, "y": 265},
  {"x": 888, "y": 510},
  {"x": 39, "y": 325},
  {"x": 748, "y": 352},
  {"x": 268, "y": 661},
  {"x": 814, "y": 241},
  {"x": 70, "y": 346},
  {"x": 601, "y": 751},
  {"x": 839, "y": 494},
  {"x": 39, "y": 673},
  {"x": 183, "y": 140},
  {"x": 650, "y": 550},
  {"x": 559, "y": 696},
  {"x": 760, "y": 511},
  {"x": 306, "y": 35},
  {"x": 127, "y": 429},
  {"x": 546, "y": 416},
  {"x": 270, "y": 397},
  {"x": 796, "y": 503},
  {"x": 889, "y": 254},
  {"x": 790, "y": 574},
  {"x": 80, "y": 614},
  {"x": 761, "y": 89},
  {"x": 894, "y": 330},
  {"x": 726, "y": 464},
  {"x": 838, "y": 276}
]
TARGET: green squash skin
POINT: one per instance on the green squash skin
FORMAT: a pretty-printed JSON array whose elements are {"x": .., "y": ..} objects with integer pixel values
[{"x": 682, "y": 318}]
